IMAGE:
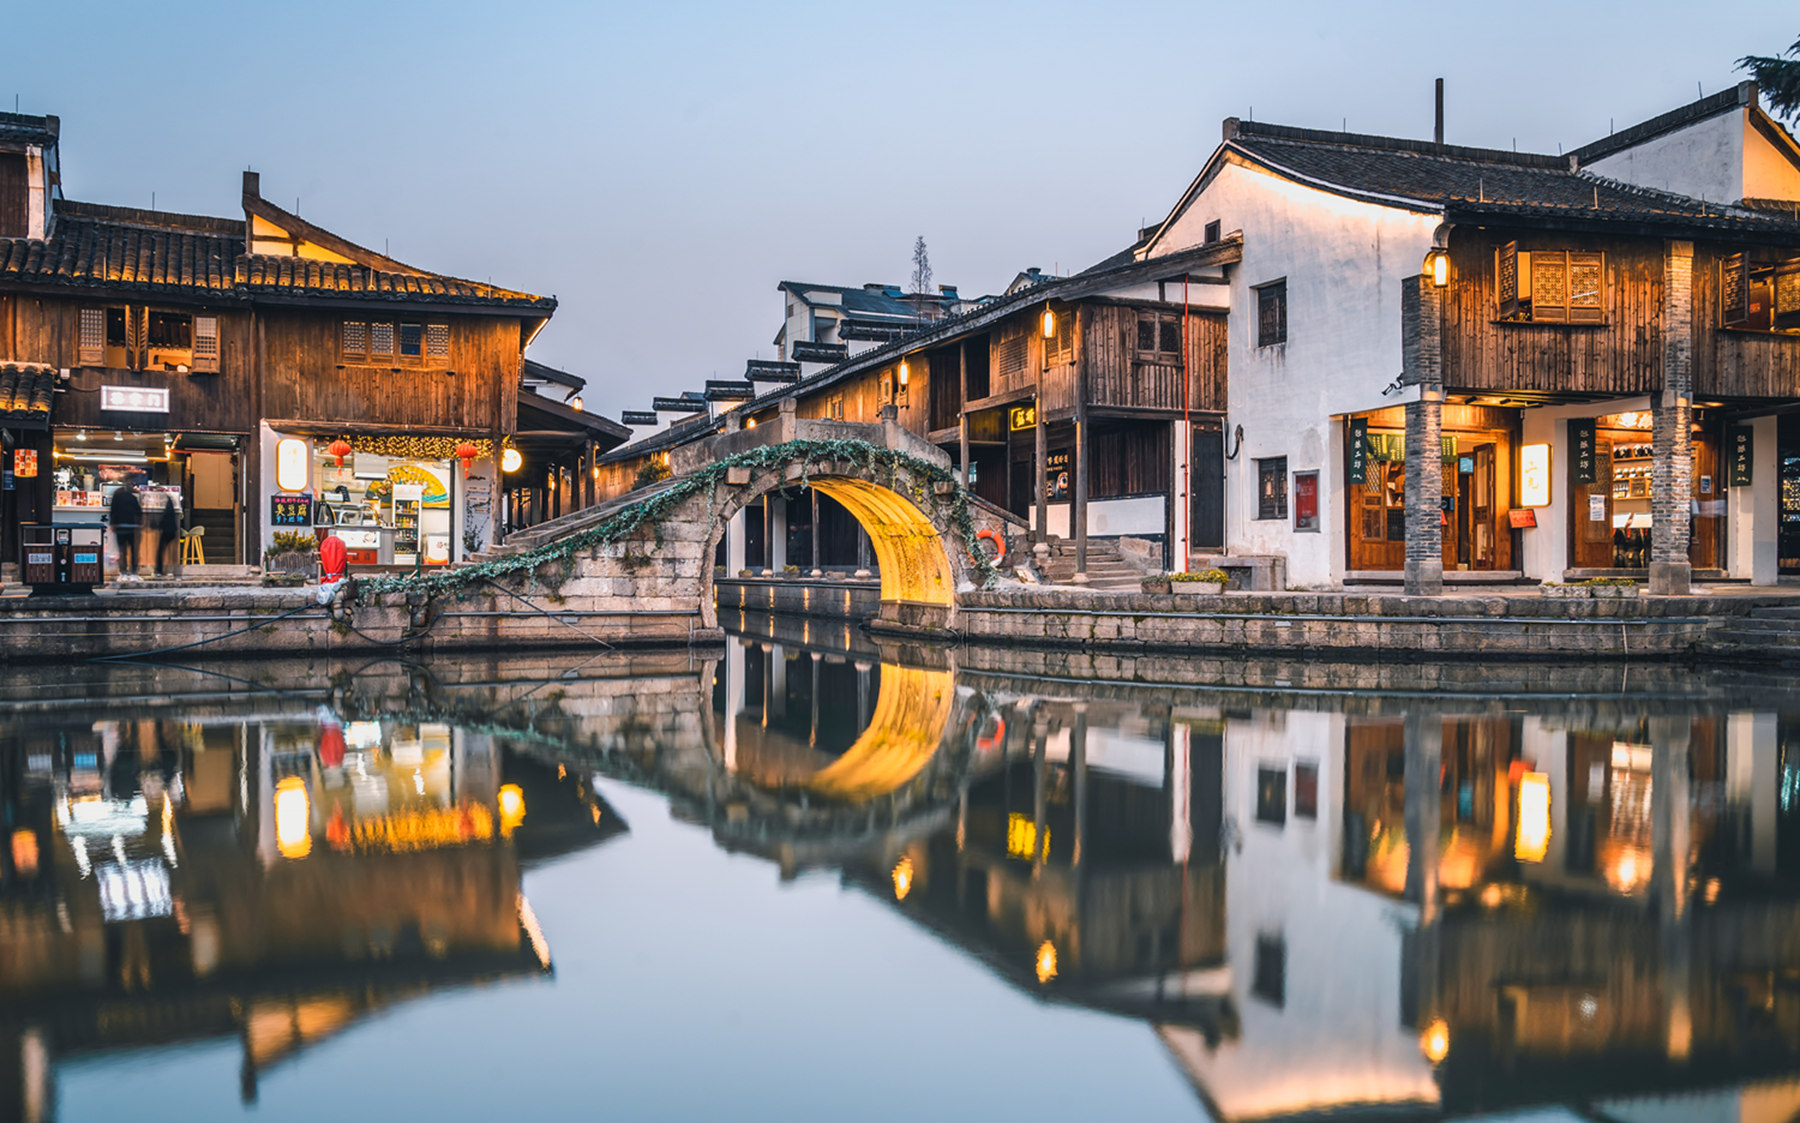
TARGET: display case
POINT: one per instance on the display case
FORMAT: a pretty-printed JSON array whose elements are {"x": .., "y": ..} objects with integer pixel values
[{"x": 407, "y": 504}]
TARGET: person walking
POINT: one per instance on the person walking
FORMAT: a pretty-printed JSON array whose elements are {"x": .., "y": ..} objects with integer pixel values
[
  {"x": 168, "y": 531},
  {"x": 127, "y": 515}
]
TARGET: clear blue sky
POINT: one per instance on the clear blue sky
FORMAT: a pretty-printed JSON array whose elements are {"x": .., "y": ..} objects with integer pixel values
[{"x": 659, "y": 167}]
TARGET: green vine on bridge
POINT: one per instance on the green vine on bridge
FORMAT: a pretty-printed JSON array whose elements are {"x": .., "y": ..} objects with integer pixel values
[{"x": 812, "y": 455}]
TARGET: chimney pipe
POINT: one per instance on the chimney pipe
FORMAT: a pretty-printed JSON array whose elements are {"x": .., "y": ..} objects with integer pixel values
[{"x": 1437, "y": 134}]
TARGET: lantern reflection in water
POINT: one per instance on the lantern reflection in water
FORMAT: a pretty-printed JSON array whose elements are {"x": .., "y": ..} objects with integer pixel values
[
  {"x": 903, "y": 877},
  {"x": 512, "y": 808},
  {"x": 1046, "y": 962},
  {"x": 293, "y": 812},
  {"x": 1534, "y": 817}
]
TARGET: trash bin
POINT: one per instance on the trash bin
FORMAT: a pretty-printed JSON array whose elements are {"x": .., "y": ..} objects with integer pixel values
[{"x": 62, "y": 559}]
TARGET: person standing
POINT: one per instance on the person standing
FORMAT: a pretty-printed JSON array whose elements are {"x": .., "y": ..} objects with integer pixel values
[
  {"x": 127, "y": 515},
  {"x": 168, "y": 530}
]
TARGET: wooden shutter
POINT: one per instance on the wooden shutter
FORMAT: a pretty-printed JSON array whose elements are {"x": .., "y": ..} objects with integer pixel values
[
  {"x": 1549, "y": 273},
  {"x": 1065, "y": 334},
  {"x": 1146, "y": 333},
  {"x": 93, "y": 337},
  {"x": 1786, "y": 297},
  {"x": 1587, "y": 288},
  {"x": 206, "y": 343},
  {"x": 1734, "y": 290},
  {"x": 437, "y": 343},
  {"x": 381, "y": 341},
  {"x": 137, "y": 332},
  {"x": 1506, "y": 279}
]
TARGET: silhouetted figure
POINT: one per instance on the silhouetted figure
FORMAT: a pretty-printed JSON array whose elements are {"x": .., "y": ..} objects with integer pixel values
[
  {"x": 168, "y": 528},
  {"x": 127, "y": 516}
]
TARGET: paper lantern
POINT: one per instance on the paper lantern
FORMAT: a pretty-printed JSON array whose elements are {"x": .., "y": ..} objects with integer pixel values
[
  {"x": 467, "y": 453},
  {"x": 339, "y": 449}
]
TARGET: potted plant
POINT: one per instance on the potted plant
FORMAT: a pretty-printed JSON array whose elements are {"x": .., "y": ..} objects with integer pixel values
[
  {"x": 1206, "y": 583},
  {"x": 1158, "y": 584},
  {"x": 1621, "y": 588},
  {"x": 292, "y": 552}
]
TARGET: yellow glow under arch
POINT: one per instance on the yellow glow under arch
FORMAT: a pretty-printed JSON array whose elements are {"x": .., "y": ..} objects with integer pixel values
[
  {"x": 911, "y": 713},
  {"x": 908, "y": 548}
]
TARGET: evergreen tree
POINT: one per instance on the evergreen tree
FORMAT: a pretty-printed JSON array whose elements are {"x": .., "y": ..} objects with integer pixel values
[
  {"x": 921, "y": 274},
  {"x": 1779, "y": 78}
]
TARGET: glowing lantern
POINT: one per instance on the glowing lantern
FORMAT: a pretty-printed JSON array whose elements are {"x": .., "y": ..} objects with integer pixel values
[
  {"x": 293, "y": 815},
  {"x": 1049, "y": 324},
  {"x": 510, "y": 460},
  {"x": 467, "y": 453},
  {"x": 339, "y": 449},
  {"x": 292, "y": 459}
]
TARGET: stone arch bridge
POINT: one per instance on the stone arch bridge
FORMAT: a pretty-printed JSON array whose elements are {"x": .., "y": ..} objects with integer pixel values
[{"x": 652, "y": 550}]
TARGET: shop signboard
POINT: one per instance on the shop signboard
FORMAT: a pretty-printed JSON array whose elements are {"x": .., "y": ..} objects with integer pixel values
[
  {"x": 290, "y": 510},
  {"x": 1306, "y": 501},
  {"x": 1056, "y": 476},
  {"x": 25, "y": 463},
  {"x": 134, "y": 399},
  {"x": 1359, "y": 449},
  {"x": 1022, "y": 417},
  {"x": 1581, "y": 449},
  {"x": 1740, "y": 442}
]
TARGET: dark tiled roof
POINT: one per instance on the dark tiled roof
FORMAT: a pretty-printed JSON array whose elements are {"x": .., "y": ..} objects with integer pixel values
[
  {"x": 26, "y": 391},
  {"x": 537, "y": 370},
  {"x": 876, "y": 302},
  {"x": 1476, "y": 180},
  {"x": 22, "y": 128},
  {"x": 721, "y": 391},
  {"x": 119, "y": 248},
  {"x": 1742, "y": 94},
  {"x": 638, "y": 417}
]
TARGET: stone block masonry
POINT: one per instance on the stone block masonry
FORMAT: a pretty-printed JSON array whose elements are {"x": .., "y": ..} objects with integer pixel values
[
  {"x": 1672, "y": 413},
  {"x": 1423, "y": 369}
]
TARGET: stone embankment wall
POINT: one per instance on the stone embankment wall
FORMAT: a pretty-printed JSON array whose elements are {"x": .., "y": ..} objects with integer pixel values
[
  {"x": 1351, "y": 625},
  {"x": 800, "y": 596}
]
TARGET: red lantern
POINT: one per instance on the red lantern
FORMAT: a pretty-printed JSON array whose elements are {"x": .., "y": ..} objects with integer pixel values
[
  {"x": 467, "y": 453},
  {"x": 339, "y": 448}
]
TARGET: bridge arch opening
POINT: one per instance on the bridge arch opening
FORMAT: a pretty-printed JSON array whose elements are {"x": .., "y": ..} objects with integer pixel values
[{"x": 919, "y": 556}]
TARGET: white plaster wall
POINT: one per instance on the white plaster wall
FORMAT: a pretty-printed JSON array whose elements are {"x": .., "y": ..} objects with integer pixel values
[
  {"x": 1704, "y": 160},
  {"x": 1337, "y": 1038},
  {"x": 37, "y": 193},
  {"x": 1768, "y": 172},
  {"x": 1752, "y": 527},
  {"x": 1344, "y": 262}
]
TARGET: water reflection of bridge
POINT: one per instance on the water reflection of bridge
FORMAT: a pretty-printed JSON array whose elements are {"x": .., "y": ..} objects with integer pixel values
[
  {"x": 275, "y": 879},
  {"x": 1605, "y": 912}
]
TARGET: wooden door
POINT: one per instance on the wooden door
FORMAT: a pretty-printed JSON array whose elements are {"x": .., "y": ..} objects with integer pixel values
[
  {"x": 1709, "y": 504},
  {"x": 1378, "y": 517},
  {"x": 1591, "y": 539},
  {"x": 1482, "y": 532},
  {"x": 1207, "y": 482}
]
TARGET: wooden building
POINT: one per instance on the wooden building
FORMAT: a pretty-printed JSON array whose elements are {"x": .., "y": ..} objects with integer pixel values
[
  {"x": 221, "y": 360},
  {"x": 1493, "y": 365},
  {"x": 1083, "y": 405}
]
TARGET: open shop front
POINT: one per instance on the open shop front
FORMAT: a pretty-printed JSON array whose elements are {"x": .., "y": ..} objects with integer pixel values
[
  {"x": 197, "y": 473},
  {"x": 1476, "y": 459},
  {"x": 1611, "y": 514},
  {"x": 392, "y": 500}
]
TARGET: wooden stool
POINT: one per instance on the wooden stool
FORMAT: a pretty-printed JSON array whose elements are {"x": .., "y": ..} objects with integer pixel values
[{"x": 193, "y": 550}]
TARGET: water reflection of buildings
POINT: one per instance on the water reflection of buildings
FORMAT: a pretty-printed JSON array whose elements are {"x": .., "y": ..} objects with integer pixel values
[
  {"x": 275, "y": 880},
  {"x": 1604, "y": 920}
]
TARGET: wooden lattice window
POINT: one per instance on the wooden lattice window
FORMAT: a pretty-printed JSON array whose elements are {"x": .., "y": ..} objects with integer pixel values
[
  {"x": 381, "y": 342},
  {"x": 355, "y": 341},
  {"x": 206, "y": 343},
  {"x": 1271, "y": 313},
  {"x": 1550, "y": 286},
  {"x": 93, "y": 337},
  {"x": 437, "y": 342},
  {"x": 1759, "y": 296},
  {"x": 1158, "y": 337},
  {"x": 1271, "y": 488}
]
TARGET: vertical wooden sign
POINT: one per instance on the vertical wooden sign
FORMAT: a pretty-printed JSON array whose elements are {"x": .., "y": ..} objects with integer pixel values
[
  {"x": 1741, "y": 446},
  {"x": 1359, "y": 449},
  {"x": 1581, "y": 449}
]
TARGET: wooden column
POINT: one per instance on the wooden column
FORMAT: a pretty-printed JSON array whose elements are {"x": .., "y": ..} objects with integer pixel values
[
  {"x": 250, "y": 482},
  {"x": 1079, "y": 504},
  {"x": 1041, "y": 458},
  {"x": 962, "y": 410}
]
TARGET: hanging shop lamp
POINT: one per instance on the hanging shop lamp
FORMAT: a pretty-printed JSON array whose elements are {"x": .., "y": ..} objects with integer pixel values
[
  {"x": 467, "y": 453},
  {"x": 339, "y": 449}
]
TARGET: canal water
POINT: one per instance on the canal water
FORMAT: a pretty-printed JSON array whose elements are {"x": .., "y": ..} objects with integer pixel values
[{"x": 819, "y": 878}]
